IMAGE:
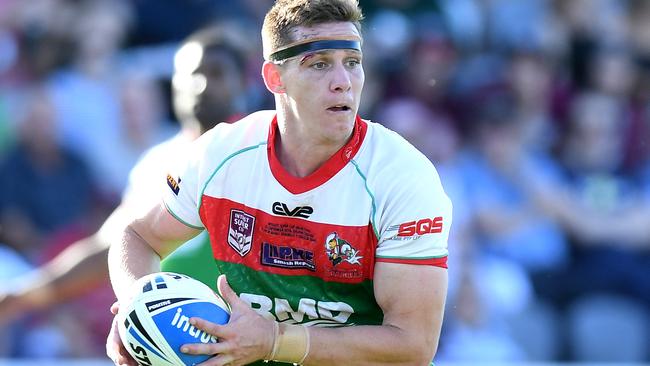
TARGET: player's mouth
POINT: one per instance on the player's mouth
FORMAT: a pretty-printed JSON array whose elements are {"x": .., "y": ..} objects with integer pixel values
[{"x": 339, "y": 108}]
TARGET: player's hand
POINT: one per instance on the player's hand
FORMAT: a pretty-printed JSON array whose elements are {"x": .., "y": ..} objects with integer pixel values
[
  {"x": 246, "y": 338},
  {"x": 114, "y": 347}
]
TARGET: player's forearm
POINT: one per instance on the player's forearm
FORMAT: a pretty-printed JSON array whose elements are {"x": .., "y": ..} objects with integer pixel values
[
  {"x": 79, "y": 268},
  {"x": 370, "y": 345},
  {"x": 76, "y": 270},
  {"x": 129, "y": 259}
]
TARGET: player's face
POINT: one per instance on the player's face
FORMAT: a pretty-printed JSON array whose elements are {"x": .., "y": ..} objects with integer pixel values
[
  {"x": 218, "y": 101},
  {"x": 323, "y": 88},
  {"x": 208, "y": 85}
]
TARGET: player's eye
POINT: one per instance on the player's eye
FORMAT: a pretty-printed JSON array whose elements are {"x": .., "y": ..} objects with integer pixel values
[
  {"x": 319, "y": 65},
  {"x": 352, "y": 63}
]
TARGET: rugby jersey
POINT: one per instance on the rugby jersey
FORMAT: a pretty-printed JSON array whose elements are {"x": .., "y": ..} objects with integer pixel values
[{"x": 303, "y": 250}]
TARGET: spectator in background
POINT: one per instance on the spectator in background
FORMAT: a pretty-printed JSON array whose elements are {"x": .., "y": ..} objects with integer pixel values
[
  {"x": 214, "y": 57},
  {"x": 638, "y": 16},
  {"x": 88, "y": 93},
  {"x": 529, "y": 75},
  {"x": 45, "y": 187},
  {"x": 475, "y": 328},
  {"x": 489, "y": 293},
  {"x": 613, "y": 71},
  {"x": 639, "y": 132},
  {"x": 59, "y": 193},
  {"x": 32, "y": 44},
  {"x": 406, "y": 7},
  {"x": 606, "y": 288},
  {"x": 159, "y": 22},
  {"x": 47, "y": 192},
  {"x": 508, "y": 224}
]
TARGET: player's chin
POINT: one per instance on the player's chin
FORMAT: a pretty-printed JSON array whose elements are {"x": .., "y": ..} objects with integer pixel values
[
  {"x": 343, "y": 121},
  {"x": 339, "y": 134}
]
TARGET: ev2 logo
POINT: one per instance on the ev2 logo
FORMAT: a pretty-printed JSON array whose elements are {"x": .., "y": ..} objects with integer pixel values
[{"x": 281, "y": 209}]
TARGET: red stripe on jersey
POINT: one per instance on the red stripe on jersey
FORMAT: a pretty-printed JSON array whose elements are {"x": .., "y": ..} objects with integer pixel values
[
  {"x": 332, "y": 166},
  {"x": 437, "y": 262},
  {"x": 288, "y": 245}
]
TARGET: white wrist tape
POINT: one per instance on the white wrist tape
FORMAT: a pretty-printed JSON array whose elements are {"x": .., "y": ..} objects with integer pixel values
[{"x": 291, "y": 344}]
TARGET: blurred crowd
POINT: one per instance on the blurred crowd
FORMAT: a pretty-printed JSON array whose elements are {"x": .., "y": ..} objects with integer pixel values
[{"x": 536, "y": 114}]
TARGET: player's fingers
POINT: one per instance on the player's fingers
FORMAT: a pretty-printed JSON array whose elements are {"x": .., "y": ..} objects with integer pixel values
[
  {"x": 204, "y": 348},
  {"x": 124, "y": 355},
  {"x": 115, "y": 349},
  {"x": 228, "y": 294},
  {"x": 125, "y": 361},
  {"x": 119, "y": 356},
  {"x": 208, "y": 327},
  {"x": 115, "y": 308}
]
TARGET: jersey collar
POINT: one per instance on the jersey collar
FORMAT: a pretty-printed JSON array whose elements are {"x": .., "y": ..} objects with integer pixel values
[{"x": 333, "y": 165}]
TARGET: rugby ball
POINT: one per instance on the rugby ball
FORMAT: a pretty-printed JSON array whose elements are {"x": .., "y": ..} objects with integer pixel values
[{"x": 155, "y": 324}]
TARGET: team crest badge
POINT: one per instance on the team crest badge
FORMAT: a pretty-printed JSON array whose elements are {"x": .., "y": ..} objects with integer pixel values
[
  {"x": 338, "y": 250},
  {"x": 240, "y": 232}
]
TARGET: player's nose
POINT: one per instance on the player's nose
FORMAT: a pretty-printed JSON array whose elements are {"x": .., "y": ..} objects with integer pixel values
[{"x": 341, "y": 79}]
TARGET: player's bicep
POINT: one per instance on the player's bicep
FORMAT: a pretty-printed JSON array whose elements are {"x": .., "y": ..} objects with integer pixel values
[
  {"x": 412, "y": 298},
  {"x": 162, "y": 230}
]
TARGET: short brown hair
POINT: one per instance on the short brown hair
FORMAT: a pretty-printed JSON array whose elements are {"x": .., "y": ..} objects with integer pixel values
[{"x": 285, "y": 15}]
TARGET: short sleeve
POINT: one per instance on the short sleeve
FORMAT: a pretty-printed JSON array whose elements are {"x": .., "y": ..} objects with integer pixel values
[
  {"x": 182, "y": 193},
  {"x": 414, "y": 218}
]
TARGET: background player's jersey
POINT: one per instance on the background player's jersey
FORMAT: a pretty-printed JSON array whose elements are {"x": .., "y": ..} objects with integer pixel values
[
  {"x": 145, "y": 188},
  {"x": 303, "y": 250}
]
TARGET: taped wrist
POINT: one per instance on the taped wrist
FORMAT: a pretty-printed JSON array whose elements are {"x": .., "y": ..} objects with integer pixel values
[{"x": 291, "y": 343}]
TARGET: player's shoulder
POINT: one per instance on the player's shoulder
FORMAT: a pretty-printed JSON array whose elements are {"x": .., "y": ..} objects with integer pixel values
[
  {"x": 388, "y": 148},
  {"x": 394, "y": 170}
]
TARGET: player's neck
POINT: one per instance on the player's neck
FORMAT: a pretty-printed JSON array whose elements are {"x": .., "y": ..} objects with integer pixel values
[{"x": 301, "y": 153}]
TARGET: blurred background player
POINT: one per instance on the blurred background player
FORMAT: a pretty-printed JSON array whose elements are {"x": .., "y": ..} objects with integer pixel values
[{"x": 208, "y": 87}]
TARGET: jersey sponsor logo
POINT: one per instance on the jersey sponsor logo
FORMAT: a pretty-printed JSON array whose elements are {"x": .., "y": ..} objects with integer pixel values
[
  {"x": 173, "y": 184},
  {"x": 287, "y": 257},
  {"x": 421, "y": 227},
  {"x": 339, "y": 250},
  {"x": 289, "y": 230},
  {"x": 240, "y": 231},
  {"x": 309, "y": 312},
  {"x": 282, "y": 209}
]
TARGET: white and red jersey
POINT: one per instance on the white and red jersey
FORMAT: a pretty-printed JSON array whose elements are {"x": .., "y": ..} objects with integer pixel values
[{"x": 303, "y": 250}]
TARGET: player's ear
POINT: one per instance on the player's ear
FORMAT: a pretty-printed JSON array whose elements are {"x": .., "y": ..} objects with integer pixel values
[{"x": 272, "y": 79}]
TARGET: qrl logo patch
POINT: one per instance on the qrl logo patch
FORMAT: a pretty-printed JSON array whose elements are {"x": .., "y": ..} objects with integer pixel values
[{"x": 240, "y": 232}]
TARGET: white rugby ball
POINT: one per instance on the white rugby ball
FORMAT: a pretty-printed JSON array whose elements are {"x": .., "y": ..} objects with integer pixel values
[{"x": 156, "y": 324}]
